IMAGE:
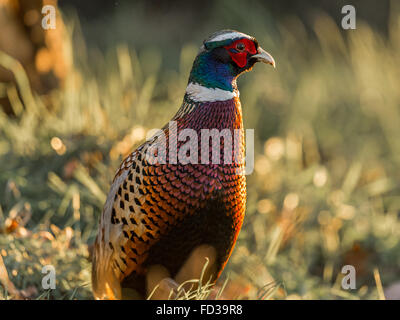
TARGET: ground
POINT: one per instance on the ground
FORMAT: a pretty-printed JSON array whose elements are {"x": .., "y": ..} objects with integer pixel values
[{"x": 324, "y": 192}]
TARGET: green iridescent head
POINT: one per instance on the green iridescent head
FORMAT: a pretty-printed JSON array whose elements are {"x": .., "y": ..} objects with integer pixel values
[{"x": 224, "y": 56}]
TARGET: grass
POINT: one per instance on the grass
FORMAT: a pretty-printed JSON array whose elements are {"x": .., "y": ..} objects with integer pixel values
[{"x": 325, "y": 191}]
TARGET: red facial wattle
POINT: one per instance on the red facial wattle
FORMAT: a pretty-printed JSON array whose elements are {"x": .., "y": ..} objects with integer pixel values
[{"x": 240, "y": 57}]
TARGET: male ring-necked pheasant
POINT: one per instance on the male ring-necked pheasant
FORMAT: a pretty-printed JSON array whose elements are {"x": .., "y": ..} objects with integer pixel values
[{"x": 157, "y": 212}]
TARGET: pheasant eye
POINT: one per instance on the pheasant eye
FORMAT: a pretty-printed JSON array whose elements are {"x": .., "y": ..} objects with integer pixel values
[{"x": 240, "y": 46}]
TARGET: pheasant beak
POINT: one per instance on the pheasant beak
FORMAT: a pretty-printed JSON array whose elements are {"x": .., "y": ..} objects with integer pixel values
[{"x": 264, "y": 56}]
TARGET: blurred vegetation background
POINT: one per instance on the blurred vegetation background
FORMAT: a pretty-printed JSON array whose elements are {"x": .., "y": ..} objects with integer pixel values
[{"x": 326, "y": 187}]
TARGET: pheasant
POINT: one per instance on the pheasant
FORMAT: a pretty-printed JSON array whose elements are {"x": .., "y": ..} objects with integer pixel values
[{"x": 161, "y": 208}]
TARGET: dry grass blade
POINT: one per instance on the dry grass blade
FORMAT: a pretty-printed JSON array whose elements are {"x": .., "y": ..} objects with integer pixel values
[
  {"x": 268, "y": 291},
  {"x": 192, "y": 289},
  {"x": 7, "y": 284},
  {"x": 379, "y": 286}
]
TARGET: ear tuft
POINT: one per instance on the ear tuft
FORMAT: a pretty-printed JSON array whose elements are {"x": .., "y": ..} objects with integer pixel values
[{"x": 221, "y": 54}]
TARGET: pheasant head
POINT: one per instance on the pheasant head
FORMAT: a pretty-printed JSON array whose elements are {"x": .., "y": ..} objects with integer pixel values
[{"x": 223, "y": 57}]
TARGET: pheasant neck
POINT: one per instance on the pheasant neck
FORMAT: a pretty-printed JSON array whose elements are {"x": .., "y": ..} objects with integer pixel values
[
  {"x": 212, "y": 73},
  {"x": 226, "y": 114},
  {"x": 198, "y": 93}
]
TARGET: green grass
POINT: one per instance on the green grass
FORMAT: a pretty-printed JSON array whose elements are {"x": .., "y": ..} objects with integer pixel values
[{"x": 326, "y": 186}]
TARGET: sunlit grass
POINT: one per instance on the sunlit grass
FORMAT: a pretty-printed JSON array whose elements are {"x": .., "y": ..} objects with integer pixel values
[{"x": 325, "y": 191}]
